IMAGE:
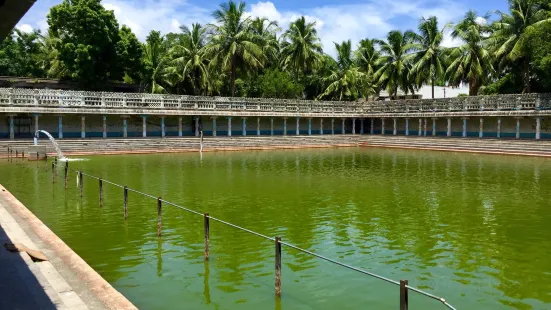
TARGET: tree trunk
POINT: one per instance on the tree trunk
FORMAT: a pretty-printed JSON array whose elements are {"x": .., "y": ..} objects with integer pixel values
[
  {"x": 233, "y": 76},
  {"x": 474, "y": 86},
  {"x": 432, "y": 88},
  {"x": 526, "y": 75}
]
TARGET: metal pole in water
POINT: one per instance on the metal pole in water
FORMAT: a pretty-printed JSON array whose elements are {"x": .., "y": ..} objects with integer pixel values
[
  {"x": 403, "y": 295},
  {"x": 80, "y": 181},
  {"x": 207, "y": 236},
  {"x": 66, "y": 173},
  {"x": 53, "y": 172},
  {"x": 100, "y": 192},
  {"x": 125, "y": 202},
  {"x": 278, "y": 266},
  {"x": 23, "y": 154},
  {"x": 159, "y": 216},
  {"x": 8, "y": 153}
]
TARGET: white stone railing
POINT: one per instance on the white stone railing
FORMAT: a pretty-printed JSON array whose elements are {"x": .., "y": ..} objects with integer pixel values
[{"x": 86, "y": 99}]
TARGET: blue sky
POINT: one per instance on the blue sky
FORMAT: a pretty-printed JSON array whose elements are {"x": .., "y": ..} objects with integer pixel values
[{"x": 336, "y": 20}]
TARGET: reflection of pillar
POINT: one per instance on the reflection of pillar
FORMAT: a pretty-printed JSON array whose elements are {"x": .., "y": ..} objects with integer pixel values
[
  {"x": 353, "y": 126},
  {"x": 271, "y": 126},
  {"x": 124, "y": 127},
  {"x": 83, "y": 127},
  {"x": 434, "y": 126},
  {"x": 464, "y": 127},
  {"x": 197, "y": 126},
  {"x": 12, "y": 129},
  {"x": 407, "y": 126},
  {"x": 105, "y": 126},
  {"x": 481, "y": 128},
  {"x": 420, "y": 132},
  {"x": 361, "y": 126},
  {"x": 449, "y": 133},
  {"x": 309, "y": 126},
  {"x": 180, "y": 126},
  {"x": 244, "y": 129},
  {"x": 499, "y": 127},
  {"x": 538, "y": 128},
  {"x": 229, "y": 126},
  {"x": 342, "y": 126},
  {"x": 284, "y": 126},
  {"x": 258, "y": 126},
  {"x": 298, "y": 126},
  {"x": 214, "y": 126},
  {"x": 59, "y": 127},
  {"x": 382, "y": 126},
  {"x": 517, "y": 135},
  {"x": 321, "y": 126},
  {"x": 394, "y": 129},
  {"x": 162, "y": 126},
  {"x": 144, "y": 126}
]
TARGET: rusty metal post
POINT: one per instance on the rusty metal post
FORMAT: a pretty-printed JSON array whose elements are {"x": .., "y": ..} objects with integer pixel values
[
  {"x": 278, "y": 266},
  {"x": 159, "y": 216},
  {"x": 37, "y": 157},
  {"x": 8, "y": 153},
  {"x": 66, "y": 173},
  {"x": 23, "y": 154},
  {"x": 100, "y": 192},
  {"x": 16, "y": 155},
  {"x": 207, "y": 236},
  {"x": 125, "y": 202},
  {"x": 80, "y": 182},
  {"x": 53, "y": 172},
  {"x": 403, "y": 295}
]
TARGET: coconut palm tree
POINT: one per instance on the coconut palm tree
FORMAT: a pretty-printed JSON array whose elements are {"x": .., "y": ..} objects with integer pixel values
[
  {"x": 470, "y": 62},
  {"x": 265, "y": 31},
  {"x": 232, "y": 43},
  {"x": 188, "y": 58},
  {"x": 346, "y": 81},
  {"x": 507, "y": 40},
  {"x": 49, "y": 57},
  {"x": 428, "y": 65},
  {"x": 395, "y": 62},
  {"x": 301, "y": 47},
  {"x": 155, "y": 62},
  {"x": 366, "y": 56}
]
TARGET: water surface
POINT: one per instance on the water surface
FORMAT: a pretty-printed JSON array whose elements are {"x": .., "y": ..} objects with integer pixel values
[{"x": 474, "y": 229}]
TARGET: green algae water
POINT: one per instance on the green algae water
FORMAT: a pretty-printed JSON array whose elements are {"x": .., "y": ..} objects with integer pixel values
[{"x": 474, "y": 229}]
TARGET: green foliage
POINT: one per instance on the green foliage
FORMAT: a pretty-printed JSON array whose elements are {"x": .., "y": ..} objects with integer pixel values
[
  {"x": 273, "y": 83},
  {"x": 19, "y": 54},
  {"x": 129, "y": 55},
  {"x": 300, "y": 48}
]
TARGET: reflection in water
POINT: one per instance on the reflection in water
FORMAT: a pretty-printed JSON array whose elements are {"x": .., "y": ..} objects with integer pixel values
[{"x": 471, "y": 228}]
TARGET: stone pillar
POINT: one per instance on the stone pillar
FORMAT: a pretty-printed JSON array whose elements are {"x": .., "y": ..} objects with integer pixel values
[
  {"x": 59, "y": 127},
  {"x": 271, "y": 126},
  {"x": 361, "y": 126},
  {"x": 124, "y": 127},
  {"x": 464, "y": 127},
  {"x": 214, "y": 126},
  {"x": 343, "y": 129},
  {"x": 197, "y": 126},
  {"x": 105, "y": 126},
  {"x": 297, "y": 131},
  {"x": 481, "y": 128},
  {"x": 434, "y": 126},
  {"x": 407, "y": 126},
  {"x": 372, "y": 129},
  {"x": 425, "y": 127},
  {"x": 538, "y": 128},
  {"x": 180, "y": 126},
  {"x": 449, "y": 133},
  {"x": 499, "y": 127},
  {"x": 420, "y": 132},
  {"x": 83, "y": 127},
  {"x": 517, "y": 135},
  {"x": 258, "y": 126},
  {"x": 309, "y": 126},
  {"x": 36, "y": 123},
  {"x": 163, "y": 127},
  {"x": 321, "y": 126},
  {"x": 382, "y": 126},
  {"x": 144, "y": 126},
  {"x": 229, "y": 126},
  {"x": 332, "y": 126},
  {"x": 394, "y": 127},
  {"x": 353, "y": 126},
  {"x": 12, "y": 128},
  {"x": 284, "y": 126},
  {"x": 244, "y": 129}
]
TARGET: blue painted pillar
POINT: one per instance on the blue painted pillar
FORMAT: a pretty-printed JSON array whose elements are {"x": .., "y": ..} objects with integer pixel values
[
  {"x": 353, "y": 126},
  {"x": 517, "y": 135},
  {"x": 309, "y": 126},
  {"x": 284, "y": 126},
  {"x": 407, "y": 126},
  {"x": 434, "y": 126},
  {"x": 144, "y": 126},
  {"x": 162, "y": 126},
  {"x": 298, "y": 126},
  {"x": 60, "y": 127},
  {"x": 36, "y": 122},
  {"x": 104, "y": 126},
  {"x": 124, "y": 127},
  {"x": 197, "y": 126},
  {"x": 481, "y": 128},
  {"x": 229, "y": 126},
  {"x": 538, "y": 128},
  {"x": 342, "y": 127},
  {"x": 258, "y": 126},
  {"x": 420, "y": 132},
  {"x": 499, "y": 127},
  {"x": 321, "y": 126},
  {"x": 83, "y": 127},
  {"x": 244, "y": 131},
  {"x": 271, "y": 126},
  {"x": 214, "y": 126},
  {"x": 425, "y": 127},
  {"x": 332, "y": 126},
  {"x": 394, "y": 126},
  {"x": 464, "y": 127},
  {"x": 449, "y": 132},
  {"x": 382, "y": 126},
  {"x": 180, "y": 126},
  {"x": 372, "y": 129},
  {"x": 361, "y": 126},
  {"x": 12, "y": 129}
]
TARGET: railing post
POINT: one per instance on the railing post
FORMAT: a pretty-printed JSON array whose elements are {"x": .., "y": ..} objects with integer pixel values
[
  {"x": 278, "y": 266},
  {"x": 23, "y": 154},
  {"x": 66, "y": 173},
  {"x": 53, "y": 172},
  {"x": 80, "y": 182},
  {"x": 9, "y": 153},
  {"x": 125, "y": 202},
  {"x": 403, "y": 295},
  {"x": 207, "y": 236},
  {"x": 100, "y": 192},
  {"x": 159, "y": 217}
]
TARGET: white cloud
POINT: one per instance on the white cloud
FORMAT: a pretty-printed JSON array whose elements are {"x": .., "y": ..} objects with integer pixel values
[{"x": 25, "y": 28}]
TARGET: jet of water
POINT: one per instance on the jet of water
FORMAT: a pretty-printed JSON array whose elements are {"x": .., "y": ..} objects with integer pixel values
[{"x": 56, "y": 146}]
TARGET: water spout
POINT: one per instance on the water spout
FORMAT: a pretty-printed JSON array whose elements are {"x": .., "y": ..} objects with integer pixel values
[{"x": 56, "y": 146}]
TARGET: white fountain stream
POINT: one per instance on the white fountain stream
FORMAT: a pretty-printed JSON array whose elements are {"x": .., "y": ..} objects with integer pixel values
[{"x": 56, "y": 146}]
